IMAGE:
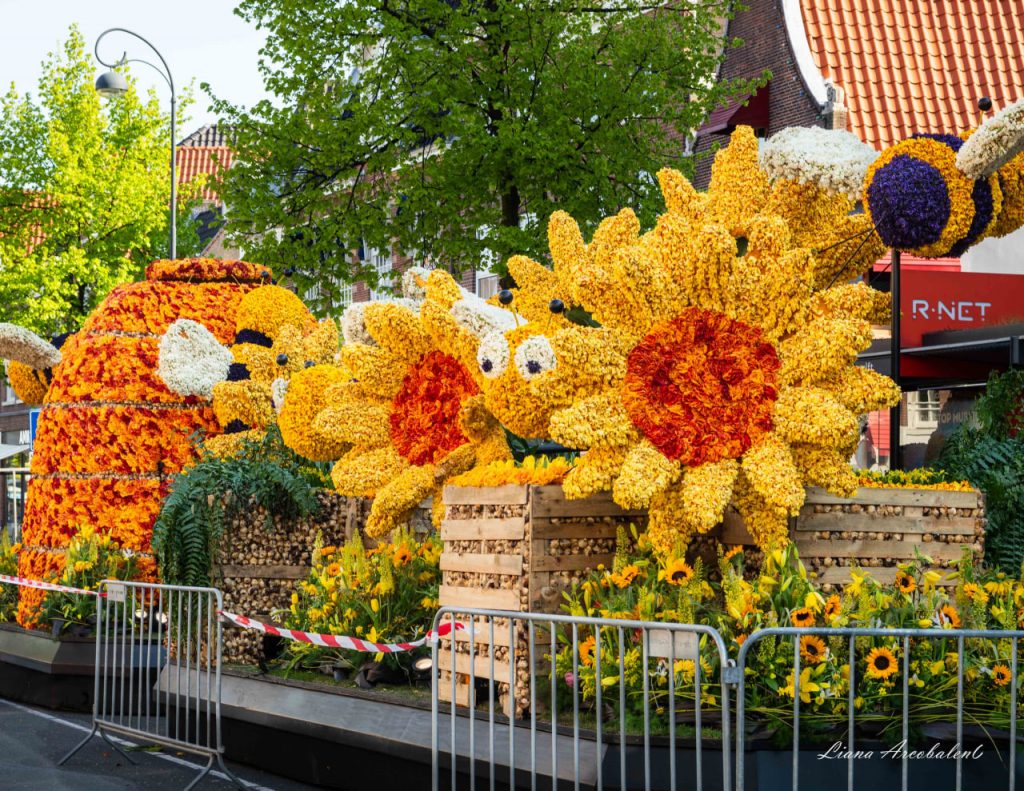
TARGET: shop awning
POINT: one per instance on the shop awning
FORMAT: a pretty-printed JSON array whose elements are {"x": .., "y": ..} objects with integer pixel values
[
  {"x": 6, "y": 451},
  {"x": 751, "y": 109}
]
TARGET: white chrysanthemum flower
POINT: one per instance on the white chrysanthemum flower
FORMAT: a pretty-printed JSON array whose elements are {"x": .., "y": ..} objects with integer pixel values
[
  {"x": 492, "y": 355},
  {"x": 192, "y": 360},
  {"x": 414, "y": 283},
  {"x": 24, "y": 346},
  {"x": 480, "y": 318},
  {"x": 278, "y": 391},
  {"x": 535, "y": 356},
  {"x": 995, "y": 143},
  {"x": 833, "y": 159}
]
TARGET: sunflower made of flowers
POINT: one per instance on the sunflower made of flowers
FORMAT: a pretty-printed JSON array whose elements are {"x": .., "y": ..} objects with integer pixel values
[
  {"x": 723, "y": 367},
  {"x": 412, "y": 411}
]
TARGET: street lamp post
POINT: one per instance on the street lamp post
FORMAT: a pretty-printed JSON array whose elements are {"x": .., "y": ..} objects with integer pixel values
[{"x": 112, "y": 84}]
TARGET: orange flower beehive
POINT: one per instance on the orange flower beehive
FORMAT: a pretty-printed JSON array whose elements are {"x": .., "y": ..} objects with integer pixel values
[{"x": 111, "y": 434}]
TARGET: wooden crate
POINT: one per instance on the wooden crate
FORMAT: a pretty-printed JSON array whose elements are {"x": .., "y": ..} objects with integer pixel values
[
  {"x": 258, "y": 568},
  {"x": 877, "y": 529},
  {"x": 516, "y": 548}
]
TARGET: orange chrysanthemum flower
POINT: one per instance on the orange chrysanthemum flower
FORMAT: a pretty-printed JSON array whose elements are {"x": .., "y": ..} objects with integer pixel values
[
  {"x": 425, "y": 412},
  {"x": 701, "y": 387}
]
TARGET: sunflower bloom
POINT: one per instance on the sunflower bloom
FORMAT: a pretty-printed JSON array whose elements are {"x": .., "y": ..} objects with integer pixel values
[
  {"x": 802, "y": 617},
  {"x": 881, "y": 663},
  {"x": 678, "y": 572},
  {"x": 1001, "y": 675},
  {"x": 586, "y": 649},
  {"x": 905, "y": 583},
  {"x": 812, "y": 648},
  {"x": 948, "y": 616}
]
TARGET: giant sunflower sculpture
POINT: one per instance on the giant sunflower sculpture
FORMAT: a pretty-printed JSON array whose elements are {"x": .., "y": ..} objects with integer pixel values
[
  {"x": 723, "y": 370},
  {"x": 412, "y": 410}
]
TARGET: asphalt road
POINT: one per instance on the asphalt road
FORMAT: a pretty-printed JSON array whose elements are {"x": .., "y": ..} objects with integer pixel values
[{"x": 32, "y": 740}]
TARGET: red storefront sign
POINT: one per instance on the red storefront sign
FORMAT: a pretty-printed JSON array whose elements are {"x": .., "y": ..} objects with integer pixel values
[{"x": 933, "y": 301}]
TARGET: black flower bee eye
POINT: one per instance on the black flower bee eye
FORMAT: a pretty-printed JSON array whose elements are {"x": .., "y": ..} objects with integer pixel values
[
  {"x": 282, "y": 359},
  {"x": 486, "y": 366},
  {"x": 310, "y": 363}
]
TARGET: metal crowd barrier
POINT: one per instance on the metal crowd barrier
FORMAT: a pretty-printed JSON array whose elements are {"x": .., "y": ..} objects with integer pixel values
[
  {"x": 158, "y": 655},
  {"x": 514, "y": 713},
  {"x": 905, "y": 636}
]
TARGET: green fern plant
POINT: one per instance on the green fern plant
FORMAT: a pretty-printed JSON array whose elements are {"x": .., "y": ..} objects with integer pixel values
[
  {"x": 205, "y": 497},
  {"x": 991, "y": 456}
]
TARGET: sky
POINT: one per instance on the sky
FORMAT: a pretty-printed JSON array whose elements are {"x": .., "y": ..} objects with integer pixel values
[{"x": 201, "y": 40}]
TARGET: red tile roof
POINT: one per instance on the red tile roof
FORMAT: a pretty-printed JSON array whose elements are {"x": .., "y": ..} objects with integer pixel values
[
  {"x": 917, "y": 65},
  {"x": 194, "y": 160}
]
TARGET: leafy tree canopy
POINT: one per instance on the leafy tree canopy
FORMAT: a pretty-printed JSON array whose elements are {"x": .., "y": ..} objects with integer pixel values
[
  {"x": 84, "y": 190},
  {"x": 451, "y": 128}
]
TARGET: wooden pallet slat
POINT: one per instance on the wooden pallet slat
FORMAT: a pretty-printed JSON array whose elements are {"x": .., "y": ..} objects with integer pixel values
[
  {"x": 550, "y": 501},
  {"x": 839, "y": 521},
  {"x": 482, "y": 563},
  {"x": 881, "y": 496},
  {"x": 481, "y": 666},
  {"x": 281, "y": 572},
  {"x": 479, "y": 598},
  {"x": 867, "y": 548},
  {"x": 484, "y": 529},
  {"x": 485, "y": 495}
]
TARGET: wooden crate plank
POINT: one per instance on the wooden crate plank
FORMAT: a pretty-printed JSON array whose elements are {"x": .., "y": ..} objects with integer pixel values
[
  {"x": 572, "y": 562},
  {"x": 543, "y": 527},
  {"x": 264, "y": 572},
  {"x": 476, "y": 598},
  {"x": 863, "y": 522},
  {"x": 900, "y": 550},
  {"x": 733, "y": 531},
  {"x": 513, "y": 494},
  {"x": 482, "y": 563},
  {"x": 481, "y": 667},
  {"x": 444, "y": 694},
  {"x": 877, "y": 496},
  {"x": 510, "y": 528},
  {"x": 550, "y": 501}
]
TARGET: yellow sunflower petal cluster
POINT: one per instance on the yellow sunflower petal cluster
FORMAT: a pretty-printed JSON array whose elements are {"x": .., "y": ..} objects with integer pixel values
[{"x": 723, "y": 370}]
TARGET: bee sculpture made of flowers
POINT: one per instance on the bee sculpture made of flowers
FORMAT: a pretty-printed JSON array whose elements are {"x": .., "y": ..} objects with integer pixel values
[
  {"x": 275, "y": 338},
  {"x": 111, "y": 433},
  {"x": 932, "y": 195},
  {"x": 723, "y": 367}
]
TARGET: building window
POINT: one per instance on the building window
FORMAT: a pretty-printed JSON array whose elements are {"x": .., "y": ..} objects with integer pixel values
[
  {"x": 923, "y": 409},
  {"x": 10, "y": 397},
  {"x": 486, "y": 285},
  {"x": 380, "y": 261}
]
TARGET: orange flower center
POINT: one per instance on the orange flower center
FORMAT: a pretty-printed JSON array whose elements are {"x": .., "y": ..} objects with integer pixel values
[
  {"x": 425, "y": 412},
  {"x": 701, "y": 387}
]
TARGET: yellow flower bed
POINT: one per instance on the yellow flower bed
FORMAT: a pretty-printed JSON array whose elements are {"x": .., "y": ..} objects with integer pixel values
[{"x": 533, "y": 470}]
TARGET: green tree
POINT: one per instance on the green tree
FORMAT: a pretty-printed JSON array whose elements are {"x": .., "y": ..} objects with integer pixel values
[
  {"x": 84, "y": 189},
  {"x": 454, "y": 128}
]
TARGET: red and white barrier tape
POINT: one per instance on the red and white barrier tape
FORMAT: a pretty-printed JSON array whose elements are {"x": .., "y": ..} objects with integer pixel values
[
  {"x": 325, "y": 640},
  {"x": 337, "y": 640},
  {"x": 46, "y": 586}
]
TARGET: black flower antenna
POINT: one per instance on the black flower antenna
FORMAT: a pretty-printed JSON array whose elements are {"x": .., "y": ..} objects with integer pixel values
[
  {"x": 557, "y": 307},
  {"x": 506, "y": 297}
]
